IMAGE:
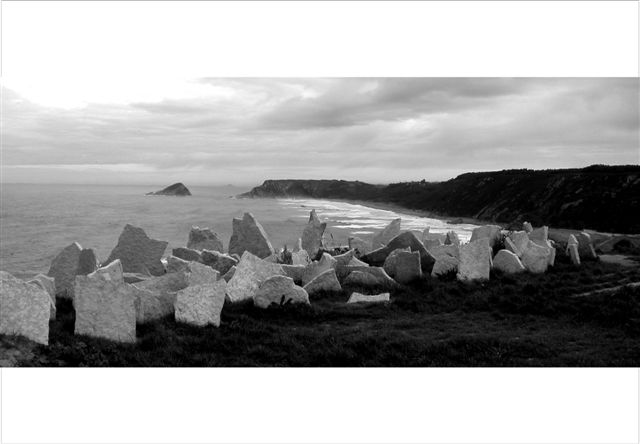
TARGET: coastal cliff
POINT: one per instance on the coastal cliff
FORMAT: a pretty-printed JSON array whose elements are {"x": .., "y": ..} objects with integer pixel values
[{"x": 598, "y": 197}]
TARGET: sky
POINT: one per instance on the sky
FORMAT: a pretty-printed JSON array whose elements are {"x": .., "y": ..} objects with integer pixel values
[{"x": 74, "y": 110}]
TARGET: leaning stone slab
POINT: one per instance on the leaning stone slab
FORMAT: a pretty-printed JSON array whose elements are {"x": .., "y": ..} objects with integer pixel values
[
  {"x": 365, "y": 298},
  {"x": 248, "y": 235},
  {"x": 105, "y": 305},
  {"x": 475, "y": 260},
  {"x": 403, "y": 240},
  {"x": 204, "y": 239},
  {"x": 138, "y": 253},
  {"x": 490, "y": 232},
  {"x": 386, "y": 234},
  {"x": 520, "y": 240},
  {"x": 280, "y": 290},
  {"x": 327, "y": 281},
  {"x": 535, "y": 258},
  {"x": 507, "y": 262},
  {"x": 552, "y": 252},
  {"x": 64, "y": 269},
  {"x": 572, "y": 250},
  {"x": 201, "y": 305},
  {"x": 326, "y": 262},
  {"x": 218, "y": 261},
  {"x": 313, "y": 235},
  {"x": 25, "y": 309},
  {"x": 585, "y": 247},
  {"x": 451, "y": 250},
  {"x": 250, "y": 273},
  {"x": 48, "y": 284},
  {"x": 187, "y": 254}
]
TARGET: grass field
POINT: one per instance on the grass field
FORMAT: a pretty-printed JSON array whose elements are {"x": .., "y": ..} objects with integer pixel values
[{"x": 526, "y": 320}]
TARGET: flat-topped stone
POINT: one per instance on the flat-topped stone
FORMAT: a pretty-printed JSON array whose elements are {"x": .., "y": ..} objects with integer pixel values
[
  {"x": 138, "y": 253},
  {"x": 491, "y": 232},
  {"x": 248, "y": 235},
  {"x": 356, "y": 298},
  {"x": 475, "y": 260},
  {"x": 25, "y": 309},
  {"x": 279, "y": 290},
  {"x": 201, "y": 304}
]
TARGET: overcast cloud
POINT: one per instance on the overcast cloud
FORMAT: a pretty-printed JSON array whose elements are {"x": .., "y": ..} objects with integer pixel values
[{"x": 242, "y": 131}]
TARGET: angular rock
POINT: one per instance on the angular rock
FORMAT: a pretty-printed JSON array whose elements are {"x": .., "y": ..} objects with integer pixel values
[
  {"x": 138, "y": 253},
  {"x": 326, "y": 281},
  {"x": 248, "y": 235},
  {"x": 345, "y": 259},
  {"x": 540, "y": 235},
  {"x": 535, "y": 258},
  {"x": 526, "y": 226},
  {"x": 204, "y": 239},
  {"x": 175, "y": 264},
  {"x": 64, "y": 269},
  {"x": 177, "y": 189},
  {"x": 48, "y": 284},
  {"x": 326, "y": 262},
  {"x": 507, "y": 262},
  {"x": 585, "y": 247},
  {"x": 25, "y": 309},
  {"x": 361, "y": 278},
  {"x": 250, "y": 273},
  {"x": 386, "y": 234},
  {"x": 366, "y": 298},
  {"x": 187, "y": 254},
  {"x": 280, "y": 290},
  {"x": 218, "y": 261},
  {"x": 451, "y": 250},
  {"x": 362, "y": 247},
  {"x": 552, "y": 253},
  {"x": 358, "y": 263},
  {"x": 520, "y": 240},
  {"x": 229, "y": 274},
  {"x": 391, "y": 261},
  {"x": 444, "y": 265},
  {"x": 132, "y": 278},
  {"x": 404, "y": 266},
  {"x": 295, "y": 272},
  {"x": 475, "y": 260},
  {"x": 369, "y": 276},
  {"x": 300, "y": 258},
  {"x": 572, "y": 251},
  {"x": 201, "y": 304},
  {"x": 431, "y": 243},
  {"x": 87, "y": 262},
  {"x": 452, "y": 239},
  {"x": 105, "y": 305},
  {"x": 490, "y": 232},
  {"x": 511, "y": 246},
  {"x": 313, "y": 235},
  {"x": 403, "y": 240}
]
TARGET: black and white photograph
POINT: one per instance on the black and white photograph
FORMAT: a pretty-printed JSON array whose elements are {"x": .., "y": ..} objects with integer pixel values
[{"x": 177, "y": 216}]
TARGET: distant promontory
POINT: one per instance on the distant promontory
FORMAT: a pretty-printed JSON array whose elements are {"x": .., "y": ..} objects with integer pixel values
[
  {"x": 599, "y": 197},
  {"x": 177, "y": 189}
]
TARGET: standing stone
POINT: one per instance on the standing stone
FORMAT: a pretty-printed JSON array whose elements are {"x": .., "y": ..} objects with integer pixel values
[
  {"x": 138, "y": 253},
  {"x": 552, "y": 252},
  {"x": 280, "y": 290},
  {"x": 535, "y": 258},
  {"x": 326, "y": 281},
  {"x": 571, "y": 241},
  {"x": 507, "y": 262},
  {"x": 572, "y": 250},
  {"x": 444, "y": 265},
  {"x": 105, "y": 305},
  {"x": 218, "y": 261},
  {"x": 540, "y": 235},
  {"x": 407, "y": 267},
  {"x": 48, "y": 284},
  {"x": 64, "y": 269},
  {"x": 201, "y": 304},
  {"x": 204, "y": 239},
  {"x": 362, "y": 247},
  {"x": 491, "y": 232},
  {"x": 585, "y": 247},
  {"x": 25, "y": 309},
  {"x": 391, "y": 261},
  {"x": 250, "y": 273},
  {"x": 475, "y": 260},
  {"x": 374, "y": 298},
  {"x": 326, "y": 262},
  {"x": 520, "y": 241},
  {"x": 156, "y": 296},
  {"x": 526, "y": 226},
  {"x": 386, "y": 234},
  {"x": 313, "y": 235},
  {"x": 187, "y": 254},
  {"x": 403, "y": 240},
  {"x": 452, "y": 238},
  {"x": 248, "y": 235}
]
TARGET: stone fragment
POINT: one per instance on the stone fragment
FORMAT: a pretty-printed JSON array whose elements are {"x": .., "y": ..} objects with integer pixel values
[
  {"x": 48, "y": 284},
  {"x": 326, "y": 281},
  {"x": 250, "y": 273},
  {"x": 520, "y": 240},
  {"x": 64, "y": 269},
  {"x": 132, "y": 278},
  {"x": 362, "y": 247},
  {"x": 313, "y": 235},
  {"x": 175, "y": 264},
  {"x": 326, "y": 262},
  {"x": 218, "y": 261},
  {"x": 280, "y": 290},
  {"x": 138, "y": 253},
  {"x": 300, "y": 257},
  {"x": 552, "y": 252},
  {"x": 572, "y": 250},
  {"x": 295, "y": 272},
  {"x": 369, "y": 276},
  {"x": 204, "y": 239},
  {"x": 490, "y": 232},
  {"x": 403, "y": 240},
  {"x": 25, "y": 309},
  {"x": 451, "y": 250},
  {"x": 229, "y": 274},
  {"x": 507, "y": 262},
  {"x": 540, "y": 235},
  {"x": 585, "y": 247},
  {"x": 535, "y": 258},
  {"x": 444, "y": 265},
  {"x": 105, "y": 305},
  {"x": 452, "y": 238},
  {"x": 201, "y": 304},
  {"x": 187, "y": 254},
  {"x": 431, "y": 243},
  {"x": 526, "y": 226},
  {"x": 383, "y": 237},
  {"x": 248, "y": 235},
  {"x": 366, "y": 298},
  {"x": 475, "y": 260},
  {"x": 87, "y": 262}
]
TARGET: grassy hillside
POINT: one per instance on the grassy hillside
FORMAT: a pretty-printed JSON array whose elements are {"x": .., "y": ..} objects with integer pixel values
[
  {"x": 599, "y": 197},
  {"x": 526, "y": 320}
]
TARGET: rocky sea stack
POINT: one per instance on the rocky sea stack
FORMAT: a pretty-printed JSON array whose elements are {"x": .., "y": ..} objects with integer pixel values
[{"x": 177, "y": 189}]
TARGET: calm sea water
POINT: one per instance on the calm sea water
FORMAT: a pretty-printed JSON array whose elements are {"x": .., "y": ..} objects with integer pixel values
[{"x": 37, "y": 221}]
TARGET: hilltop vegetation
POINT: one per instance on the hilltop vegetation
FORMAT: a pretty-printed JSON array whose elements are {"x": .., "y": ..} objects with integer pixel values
[{"x": 598, "y": 197}]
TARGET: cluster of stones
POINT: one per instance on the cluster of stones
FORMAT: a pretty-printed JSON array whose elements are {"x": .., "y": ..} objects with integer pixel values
[{"x": 136, "y": 285}]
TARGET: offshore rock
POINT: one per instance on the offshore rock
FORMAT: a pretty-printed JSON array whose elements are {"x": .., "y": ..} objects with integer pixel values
[
  {"x": 25, "y": 309},
  {"x": 204, "y": 239},
  {"x": 177, "y": 189},
  {"x": 138, "y": 253},
  {"x": 248, "y": 235},
  {"x": 280, "y": 290}
]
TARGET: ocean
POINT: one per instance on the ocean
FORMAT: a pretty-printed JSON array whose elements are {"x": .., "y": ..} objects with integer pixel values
[{"x": 38, "y": 221}]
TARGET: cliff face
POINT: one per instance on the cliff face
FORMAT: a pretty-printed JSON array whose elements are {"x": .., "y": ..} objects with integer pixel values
[{"x": 605, "y": 198}]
